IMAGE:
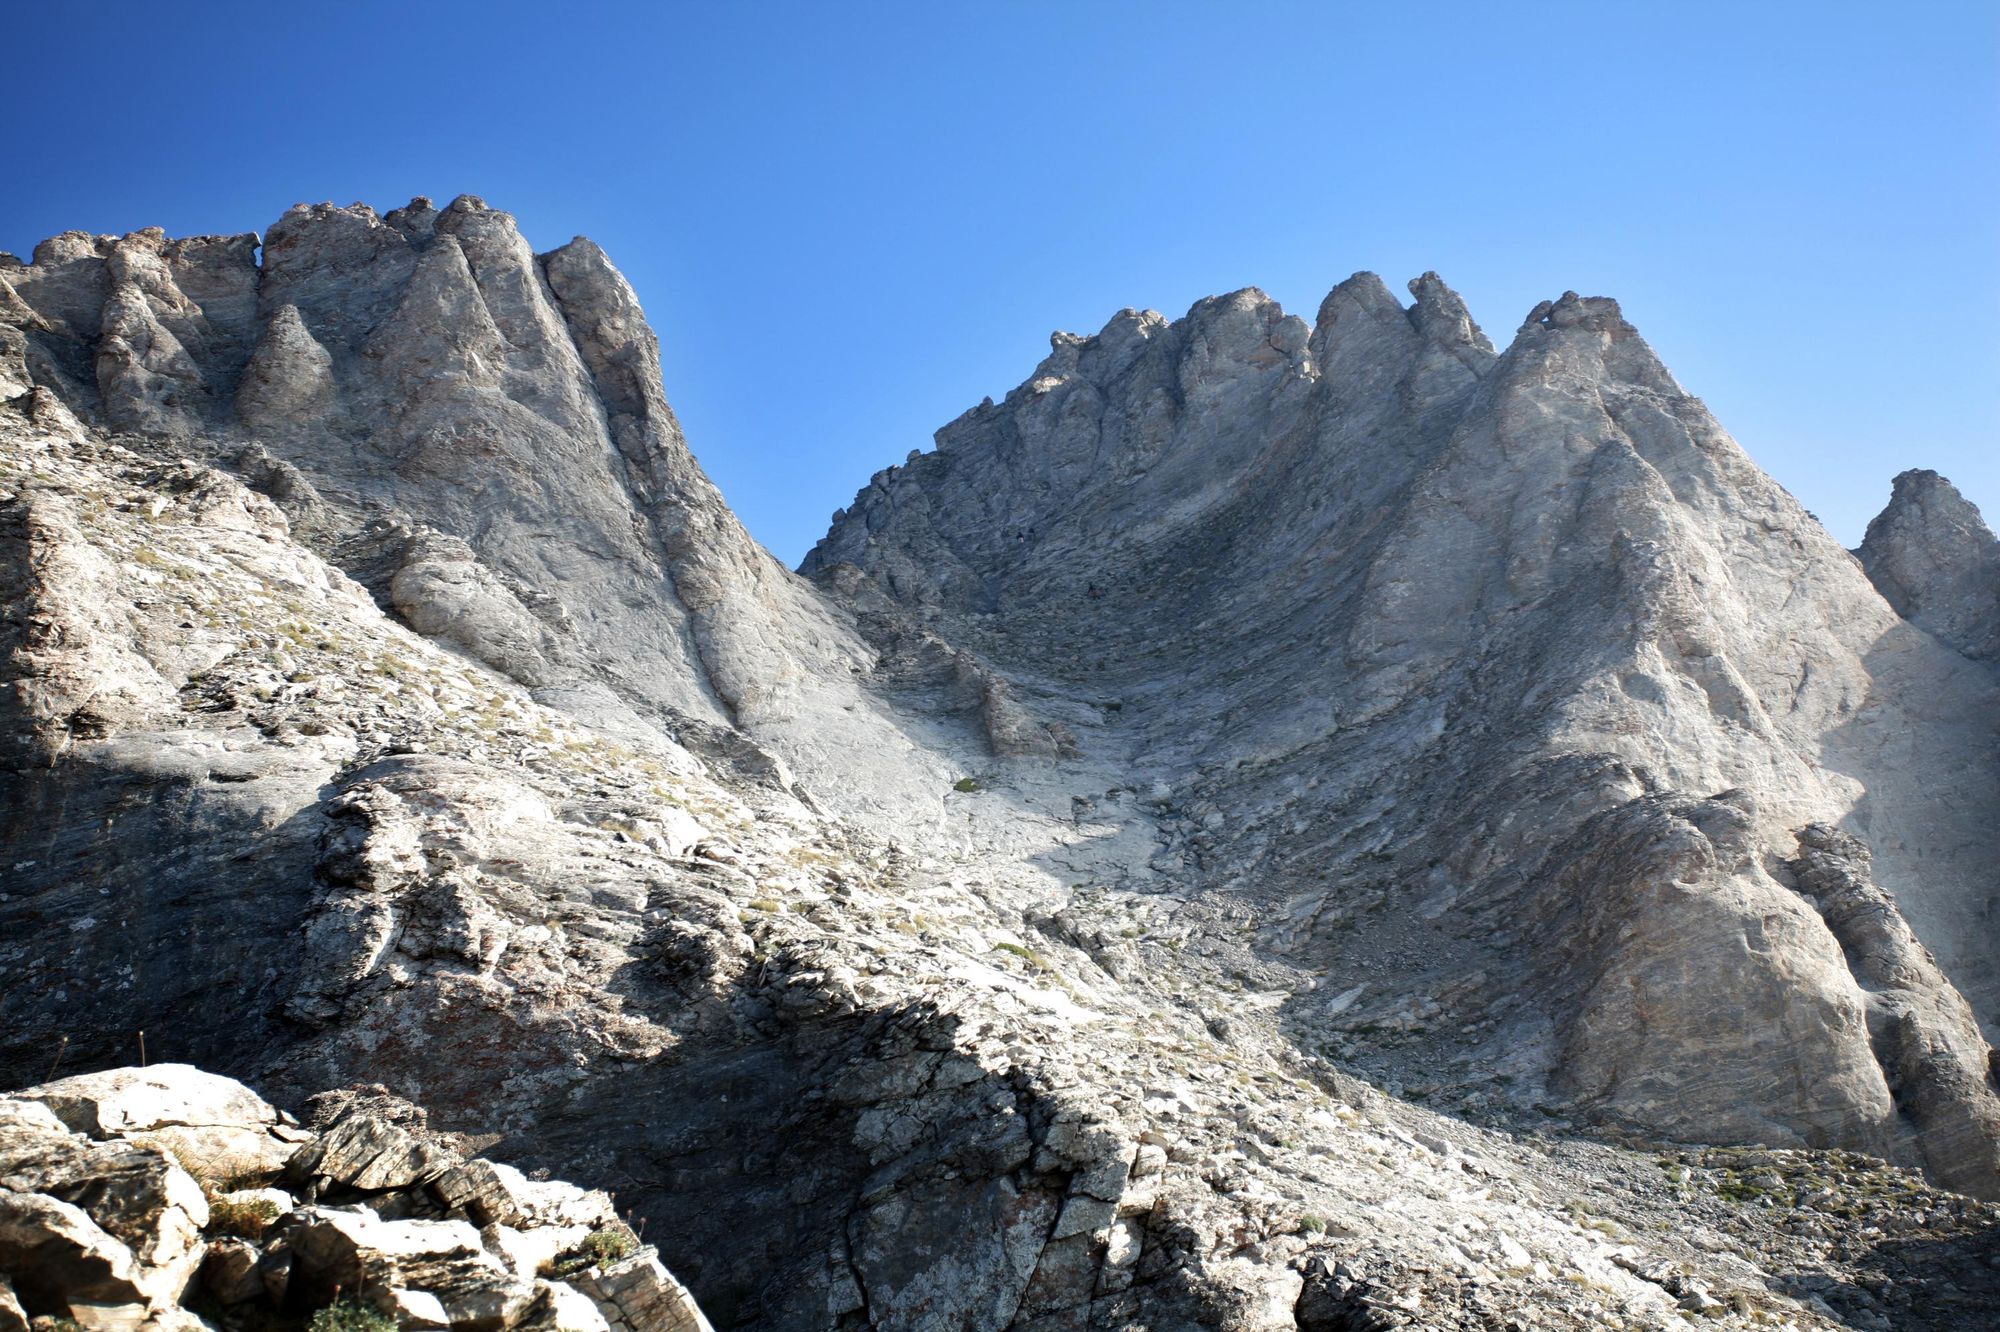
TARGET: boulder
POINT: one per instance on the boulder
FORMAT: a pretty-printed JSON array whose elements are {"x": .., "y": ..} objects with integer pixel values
[
  {"x": 107, "y": 1230},
  {"x": 492, "y": 1193},
  {"x": 415, "y": 1309},
  {"x": 562, "y": 1308},
  {"x": 366, "y": 1153},
  {"x": 528, "y": 1252},
  {"x": 23, "y": 1116},
  {"x": 122, "y": 1101},
  {"x": 230, "y": 1272},
  {"x": 359, "y": 1251},
  {"x": 13, "y": 1318},
  {"x": 136, "y": 1195},
  {"x": 638, "y": 1293},
  {"x": 58, "y": 1257},
  {"x": 218, "y": 1129}
]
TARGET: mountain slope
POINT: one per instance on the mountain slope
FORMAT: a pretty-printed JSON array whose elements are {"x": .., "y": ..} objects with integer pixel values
[
  {"x": 1004, "y": 927},
  {"x": 477, "y": 433},
  {"x": 1517, "y": 655}
]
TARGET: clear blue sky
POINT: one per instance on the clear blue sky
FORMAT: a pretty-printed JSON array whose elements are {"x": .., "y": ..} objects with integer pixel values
[{"x": 851, "y": 221}]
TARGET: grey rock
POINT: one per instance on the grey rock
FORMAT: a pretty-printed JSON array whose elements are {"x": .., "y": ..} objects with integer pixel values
[
  {"x": 13, "y": 1318},
  {"x": 1338, "y": 700},
  {"x": 639, "y": 1294},
  {"x": 121, "y": 1102},
  {"x": 364, "y": 1153},
  {"x": 108, "y": 1231},
  {"x": 230, "y": 1272},
  {"x": 1936, "y": 561},
  {"x": 563, "y": 1308},
  {"x": 442, "y": 591},
  {"x": 86, "y": 1223},
  {"x": 57, "y": 1257},
  {"x": 1469, "y": 606},
  {"x": 213, "y": 1126},
  {"x": 1939, "y": 1066},
  {"x": 493, "y": 1193},
  {"x": 358, "y": 1251}
]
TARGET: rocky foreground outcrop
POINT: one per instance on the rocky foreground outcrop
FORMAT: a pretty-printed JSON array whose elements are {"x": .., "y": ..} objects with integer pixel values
[
  {"x": 170, "y": 1198},
  {"x": 1273, "y": 825}
]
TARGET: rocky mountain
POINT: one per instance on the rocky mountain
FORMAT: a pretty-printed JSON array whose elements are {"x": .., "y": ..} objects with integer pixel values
[
  {"x": 1518, "y": 656},
  {"x": 1268, "y": 826}
]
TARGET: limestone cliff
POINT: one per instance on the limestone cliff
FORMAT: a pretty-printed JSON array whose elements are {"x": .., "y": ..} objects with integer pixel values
[
  {"x": 1271, "y": 825},
  {"x": 1498, "y": 688},
  {"x": 424, "y": 372}
]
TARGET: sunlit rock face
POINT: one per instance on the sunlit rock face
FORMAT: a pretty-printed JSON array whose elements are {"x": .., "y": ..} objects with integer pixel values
[
  {"x": 1516, "y": 660},
  {"x": 1172, "y": 857}
]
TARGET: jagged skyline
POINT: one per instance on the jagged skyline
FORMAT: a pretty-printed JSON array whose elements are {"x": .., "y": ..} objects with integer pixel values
[{"x": 1775, "y": 227}]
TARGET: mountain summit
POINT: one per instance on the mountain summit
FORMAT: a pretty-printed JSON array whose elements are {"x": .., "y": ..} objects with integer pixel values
[
  {"x": 1516, "y": 660},
  {"x": 1270, "y": 825}
]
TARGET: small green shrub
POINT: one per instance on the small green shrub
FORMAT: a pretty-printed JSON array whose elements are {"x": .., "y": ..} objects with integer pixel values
[
  {"x": 249, "y": 1218},
  {"x": 1028, "y": 955},
  {"x": 967, "y": 785},
  {"x": 1312, "y": 1225},
  {"x": 1739, "y": 1190},
  {"x": 606, "y": 1246},
  {"x": 350, "y": 1316},
  {"x": 600, "y": 1248}
]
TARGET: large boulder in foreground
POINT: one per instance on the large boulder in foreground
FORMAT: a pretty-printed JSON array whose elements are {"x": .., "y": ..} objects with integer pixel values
[{"x": 213, "y": 1126}]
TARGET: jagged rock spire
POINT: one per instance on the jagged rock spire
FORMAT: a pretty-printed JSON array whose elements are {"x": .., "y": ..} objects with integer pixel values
[{"x": 1935, "y": 560}]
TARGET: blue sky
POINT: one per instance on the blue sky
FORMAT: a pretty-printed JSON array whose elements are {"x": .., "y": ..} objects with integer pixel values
[{"x": 851, "y": 221}]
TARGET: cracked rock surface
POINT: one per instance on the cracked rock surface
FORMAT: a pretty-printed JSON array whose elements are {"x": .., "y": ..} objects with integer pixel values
[{"x": 1936, "y": 561}]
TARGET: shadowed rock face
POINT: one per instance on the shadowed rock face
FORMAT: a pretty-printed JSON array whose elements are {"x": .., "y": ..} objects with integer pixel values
[{"x": 993, "y": 920}]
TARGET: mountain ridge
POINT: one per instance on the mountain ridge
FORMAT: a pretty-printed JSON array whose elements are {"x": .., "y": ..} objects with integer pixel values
[
  {"x": 1662, "y": 491},
  {"x": 1242, "y": 732}
]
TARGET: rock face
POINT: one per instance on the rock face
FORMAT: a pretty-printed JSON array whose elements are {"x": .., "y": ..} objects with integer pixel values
[
  {"x": 1517, "y": 653},
  {"x": 425, "y": 370},
  {"x": 1935, "y": 560},
  {"x": 1940, "y": 1069},
  {"x": 1220, "y": 842}
]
